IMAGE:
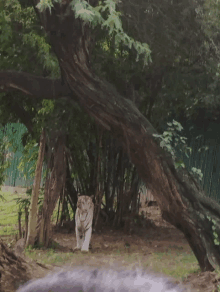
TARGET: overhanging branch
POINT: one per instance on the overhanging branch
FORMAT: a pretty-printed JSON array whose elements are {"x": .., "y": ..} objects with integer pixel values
[{"x": 36, "y": 86}]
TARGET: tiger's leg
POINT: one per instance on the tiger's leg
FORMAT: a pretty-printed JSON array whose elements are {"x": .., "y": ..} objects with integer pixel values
[
  {"x": 79, "y": 239},
  {"x": 86, "y": 242}
]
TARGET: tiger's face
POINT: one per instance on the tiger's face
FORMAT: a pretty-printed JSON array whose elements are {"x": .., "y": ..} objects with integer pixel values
[
  {"x": 84, "y": 205},
  {"x": 84, "y": 202}
]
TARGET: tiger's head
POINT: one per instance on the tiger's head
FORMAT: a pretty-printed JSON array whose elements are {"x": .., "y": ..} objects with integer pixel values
[{"x": 84, "y": 203}]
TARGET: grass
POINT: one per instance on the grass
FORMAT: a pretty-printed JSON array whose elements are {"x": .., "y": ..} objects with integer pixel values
[
  {"x": 49, "y": 256},
  {"x": 178, "y": 267},
  {"x": 175, "y": 264},
  {"x": 8, "y": 214}
]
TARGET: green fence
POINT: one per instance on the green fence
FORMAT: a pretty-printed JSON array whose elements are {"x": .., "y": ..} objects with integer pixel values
[
  {"x": 204, "y": 140},
  {"x": 14, "y": 132},
  {"x": 208, "y": 161}
]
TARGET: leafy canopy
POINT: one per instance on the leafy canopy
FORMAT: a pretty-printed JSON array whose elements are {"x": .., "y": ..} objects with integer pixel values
[{"x": 106, "y": 16}]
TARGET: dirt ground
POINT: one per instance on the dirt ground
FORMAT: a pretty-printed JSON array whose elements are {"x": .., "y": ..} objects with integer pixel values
[{"x": 139, "y": 246}]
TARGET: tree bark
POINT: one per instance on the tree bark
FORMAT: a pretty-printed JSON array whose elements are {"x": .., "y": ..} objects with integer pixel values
[
  {"x": 182, "y": 202},
  {"x": 55, "y": 183},
  {"x": 35, "y": 86},
  {"x": 19, "y": 224},
  {"x": 32, "y": 224}
]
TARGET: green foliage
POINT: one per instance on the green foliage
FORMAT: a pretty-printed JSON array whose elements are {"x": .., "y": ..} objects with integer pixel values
[
  {"x": 44, "y": 55},
  {"x": 170, "y": 139},
  {"x": 23, "y": 43},
  {"x": 43, "y": 117},
  {"x": 30, "y": 155},
  {"x": 214, "y": 230},
  {"x": 43, "y": 4},
  {"x": 197, "y": 172},
  {"x": 216, "y": 238},
  {"x": 23, "y": 47},
  {"x": 45, "y": 114},
  {"x": 104, "y": 14}
]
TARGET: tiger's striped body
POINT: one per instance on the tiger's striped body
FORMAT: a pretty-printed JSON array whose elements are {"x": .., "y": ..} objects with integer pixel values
[{"x": 83, "y": 219}]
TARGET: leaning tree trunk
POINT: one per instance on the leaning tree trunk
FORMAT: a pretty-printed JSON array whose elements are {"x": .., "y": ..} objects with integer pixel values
[{"x": 182, "y": 202}]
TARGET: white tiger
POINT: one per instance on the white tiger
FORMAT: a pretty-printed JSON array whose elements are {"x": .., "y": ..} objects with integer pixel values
[{"x": 83, "y": 219}]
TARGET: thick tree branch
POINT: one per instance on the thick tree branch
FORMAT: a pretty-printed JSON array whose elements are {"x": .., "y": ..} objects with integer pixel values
[{"x": 36, "y": 86}]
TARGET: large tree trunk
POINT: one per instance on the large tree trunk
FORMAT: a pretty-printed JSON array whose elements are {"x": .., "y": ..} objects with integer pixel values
[
  {"x": 182, "y": 202},
  {"x": 32, "y": 224}
]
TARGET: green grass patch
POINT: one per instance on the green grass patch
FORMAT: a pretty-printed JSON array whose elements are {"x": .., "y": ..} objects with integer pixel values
[
  {"x": 49, "y": 256},
  {"x": 9, "y": 214},
  {"x": 175, "y": 264}
]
